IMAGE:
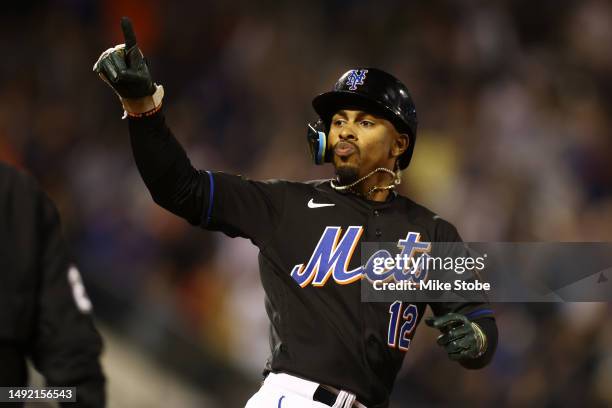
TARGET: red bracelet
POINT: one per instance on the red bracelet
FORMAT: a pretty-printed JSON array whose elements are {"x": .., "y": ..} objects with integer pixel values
[{"x": 144, "y": 114}]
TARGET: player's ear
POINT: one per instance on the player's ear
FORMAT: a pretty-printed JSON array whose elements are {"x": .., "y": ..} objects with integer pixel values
[{"x": 400, "y": 144}]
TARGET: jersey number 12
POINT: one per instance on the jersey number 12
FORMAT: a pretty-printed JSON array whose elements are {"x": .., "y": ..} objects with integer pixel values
[{"x": 407, "y": 318}]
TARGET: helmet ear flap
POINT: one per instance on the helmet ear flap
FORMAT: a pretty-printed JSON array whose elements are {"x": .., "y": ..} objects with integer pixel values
[{"x": 316, "y": 136}]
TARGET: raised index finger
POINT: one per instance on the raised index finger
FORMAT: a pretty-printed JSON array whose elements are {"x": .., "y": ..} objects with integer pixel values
[{"x": 128, "y": 33}]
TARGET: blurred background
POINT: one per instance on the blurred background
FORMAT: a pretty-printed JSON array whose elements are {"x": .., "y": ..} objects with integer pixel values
[{"x": 514, "y": 100}]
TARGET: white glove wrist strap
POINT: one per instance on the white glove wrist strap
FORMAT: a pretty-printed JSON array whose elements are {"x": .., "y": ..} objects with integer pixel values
[{"x": 146, "y": 106}]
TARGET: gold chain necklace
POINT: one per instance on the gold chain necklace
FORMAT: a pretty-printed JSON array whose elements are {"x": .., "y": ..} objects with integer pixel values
[{"x": 350, "y": 187}]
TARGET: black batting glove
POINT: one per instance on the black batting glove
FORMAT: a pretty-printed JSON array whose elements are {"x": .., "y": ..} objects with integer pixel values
[
  {"x": 460, "y": 338},
  {"x": 124, "y": 68}
]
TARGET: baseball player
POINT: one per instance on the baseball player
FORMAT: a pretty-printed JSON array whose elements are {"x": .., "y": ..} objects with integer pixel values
[{"x": 328, "y": 348}]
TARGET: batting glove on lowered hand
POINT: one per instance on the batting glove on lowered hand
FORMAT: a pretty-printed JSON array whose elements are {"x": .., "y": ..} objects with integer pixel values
[
  {"x": 461, "y": 338},
  {"x": 125, "y": 69}
]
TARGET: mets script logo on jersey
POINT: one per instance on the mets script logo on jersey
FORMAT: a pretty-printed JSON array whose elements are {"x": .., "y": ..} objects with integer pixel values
[
  {"x": 332, "y": 256},
  {"x": 356, "y": 77}
]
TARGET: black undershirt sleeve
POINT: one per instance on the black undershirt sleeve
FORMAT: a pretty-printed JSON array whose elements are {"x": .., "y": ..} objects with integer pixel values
[
  {"x": 173, "y": 182},
  {"x": 216, "y": 201}
]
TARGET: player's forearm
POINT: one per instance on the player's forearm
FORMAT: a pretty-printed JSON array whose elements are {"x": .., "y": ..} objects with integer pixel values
[{"x": 166, "y": 170}]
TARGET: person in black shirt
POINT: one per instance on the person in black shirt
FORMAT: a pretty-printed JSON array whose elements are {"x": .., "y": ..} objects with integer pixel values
[
  {"x": 44, "y": 310},
  {"x": 328, "y": 348}
]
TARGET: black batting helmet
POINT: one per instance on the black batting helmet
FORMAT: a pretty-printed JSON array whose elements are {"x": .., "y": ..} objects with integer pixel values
[{"x": 375, "y": 91}]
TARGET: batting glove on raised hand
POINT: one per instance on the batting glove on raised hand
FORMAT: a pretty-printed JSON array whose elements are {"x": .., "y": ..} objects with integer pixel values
[
  {"x": 461, "y": 338},
  {"x": 125, "y": 69}
]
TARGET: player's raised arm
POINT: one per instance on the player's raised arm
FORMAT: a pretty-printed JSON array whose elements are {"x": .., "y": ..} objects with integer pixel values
[
  {"x": 213, "y": 200},
  {"x": 167, "y": 172}
]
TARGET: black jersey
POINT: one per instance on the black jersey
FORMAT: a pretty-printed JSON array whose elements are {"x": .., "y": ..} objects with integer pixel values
[{"x": 308, "y": 235}]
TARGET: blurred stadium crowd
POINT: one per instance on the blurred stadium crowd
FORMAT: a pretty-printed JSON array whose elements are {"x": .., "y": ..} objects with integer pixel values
[{"x": 514, "y": 104}]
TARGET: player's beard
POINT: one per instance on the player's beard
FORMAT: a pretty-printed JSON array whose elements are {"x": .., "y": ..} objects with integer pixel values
[{"x": 346, "y": 175}]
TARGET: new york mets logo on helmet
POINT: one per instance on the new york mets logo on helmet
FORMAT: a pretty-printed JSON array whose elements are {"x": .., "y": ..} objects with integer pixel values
[{"x": 356, "y": 77}]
